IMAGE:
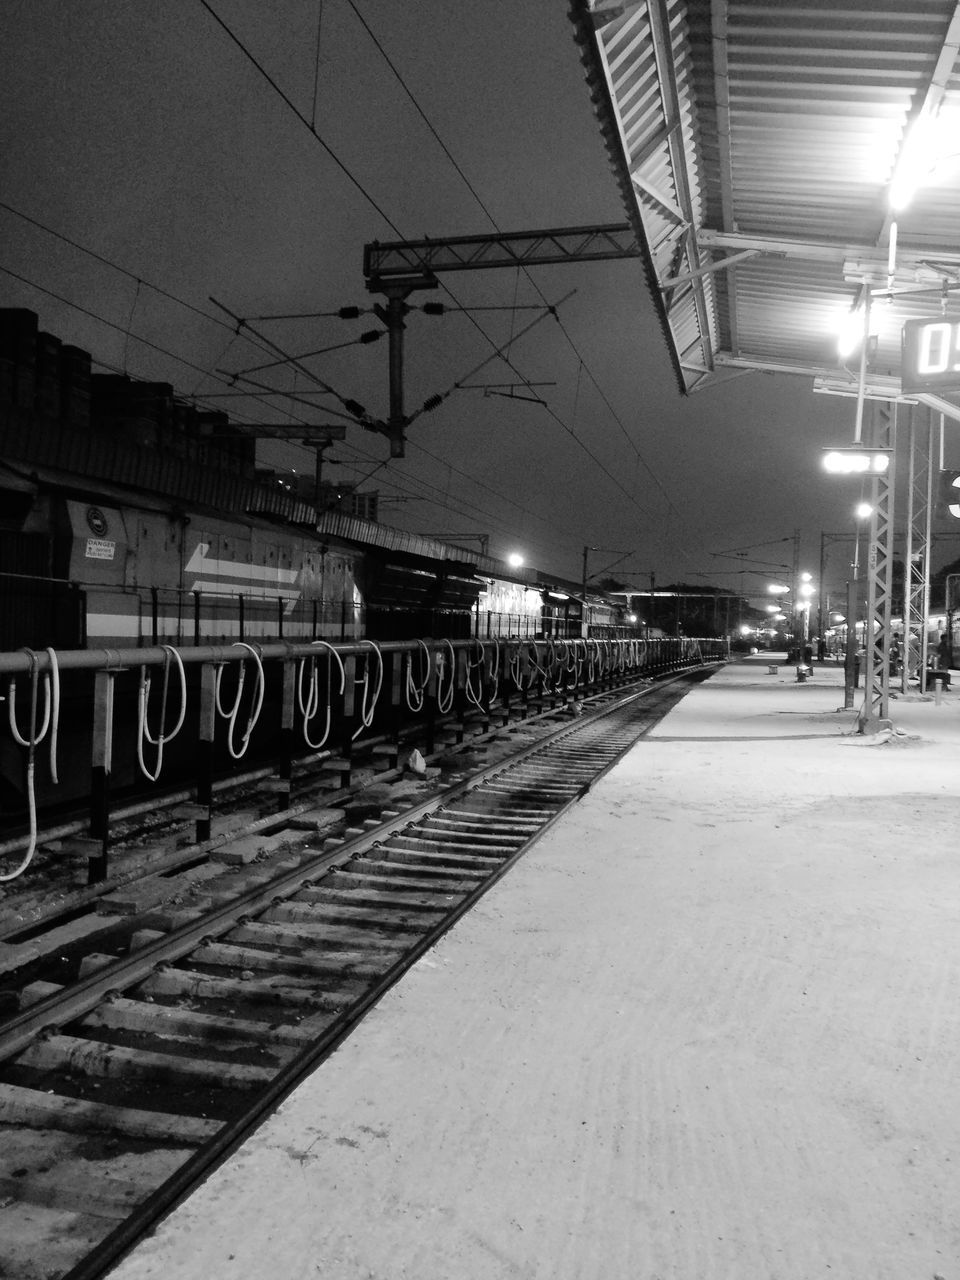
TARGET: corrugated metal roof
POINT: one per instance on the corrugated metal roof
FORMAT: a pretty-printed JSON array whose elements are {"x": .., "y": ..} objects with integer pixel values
[{"x": 767, "y": 135}]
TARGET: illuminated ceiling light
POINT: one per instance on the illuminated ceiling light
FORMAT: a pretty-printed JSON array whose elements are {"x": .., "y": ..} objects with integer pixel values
[
  {"x": 514, "y": 560},
  {"x": 849, "y": 332},
  {"x": 930, "y": 140},
  {"x": 846, "y": 460}
]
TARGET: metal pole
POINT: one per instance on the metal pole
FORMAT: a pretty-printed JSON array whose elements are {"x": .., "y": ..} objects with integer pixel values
[
  {"x": 876, "y": 704},
  {"x": 820, "y": 602},
  {"x": 850, "y": 653}
]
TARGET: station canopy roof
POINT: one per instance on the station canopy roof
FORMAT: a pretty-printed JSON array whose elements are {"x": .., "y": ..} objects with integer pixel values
[{"x": 757, "y": 146}]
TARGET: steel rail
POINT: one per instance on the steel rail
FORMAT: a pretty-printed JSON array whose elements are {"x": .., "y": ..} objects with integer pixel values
[
  {"x": 198, "y": 1166},
  {"x": 62, "y": 1007}
]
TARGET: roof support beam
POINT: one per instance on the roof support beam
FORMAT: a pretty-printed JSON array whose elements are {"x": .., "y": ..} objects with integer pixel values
[
  {"x": 722, "y": 265},
  {"x": 858, "y": 259},
  {"x": 662, "y": 37}
]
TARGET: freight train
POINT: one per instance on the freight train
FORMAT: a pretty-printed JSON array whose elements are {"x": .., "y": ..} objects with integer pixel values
[{"x": 128, "y": 518}]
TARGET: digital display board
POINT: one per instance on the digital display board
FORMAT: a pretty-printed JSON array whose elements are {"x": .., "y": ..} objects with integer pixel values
[{"x": 930, "y": 354}]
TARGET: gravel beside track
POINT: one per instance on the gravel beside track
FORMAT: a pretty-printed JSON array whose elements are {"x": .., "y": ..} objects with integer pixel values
[{"x": 121, "y": 1089}]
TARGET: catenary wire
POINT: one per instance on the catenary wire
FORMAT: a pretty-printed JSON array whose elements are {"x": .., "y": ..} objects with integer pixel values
[
  {"x": 389, "y": 221},
  {"x": 496, "y": 227}
]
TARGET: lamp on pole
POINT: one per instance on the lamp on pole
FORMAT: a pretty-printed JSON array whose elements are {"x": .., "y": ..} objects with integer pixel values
[{"x": 863, "y": 511}]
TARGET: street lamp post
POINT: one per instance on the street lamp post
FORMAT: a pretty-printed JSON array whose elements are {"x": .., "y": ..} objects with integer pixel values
[
  {"x": 805, "y": 591},
  {"x": 862, "y": 512}
]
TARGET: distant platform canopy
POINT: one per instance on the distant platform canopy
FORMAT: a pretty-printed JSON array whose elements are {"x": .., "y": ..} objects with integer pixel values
[{"x": 792, "y": 171}]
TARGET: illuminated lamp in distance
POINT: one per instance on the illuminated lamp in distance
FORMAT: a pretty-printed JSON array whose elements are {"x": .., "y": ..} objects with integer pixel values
[{"x": 855, "y": 460}]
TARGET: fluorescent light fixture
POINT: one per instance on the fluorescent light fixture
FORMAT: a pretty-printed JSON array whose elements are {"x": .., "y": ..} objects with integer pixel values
[
  {"x": 846, "y": 460},
  {"x": 918, "y": 157},
  {"x": 929, "y": 146}
]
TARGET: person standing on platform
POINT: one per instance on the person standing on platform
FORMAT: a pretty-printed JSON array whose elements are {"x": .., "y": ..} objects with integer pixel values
[{"x": 895, "y": 656}]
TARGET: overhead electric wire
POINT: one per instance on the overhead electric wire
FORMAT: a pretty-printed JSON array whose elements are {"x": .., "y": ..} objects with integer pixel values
[
  {"x": 498, "y": 229},
  {"x": 301, "y": 117},
  {"x": 248, "y": 334},
  {"x": 114, "y": 266},
  {"x": 306, "y": 355},
  {"x": 171, "y": 355},
  {"x": 390, "y": 223}
]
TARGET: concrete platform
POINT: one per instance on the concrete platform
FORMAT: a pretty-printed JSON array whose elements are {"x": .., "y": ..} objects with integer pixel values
[{"x": 709, "y": 1029}]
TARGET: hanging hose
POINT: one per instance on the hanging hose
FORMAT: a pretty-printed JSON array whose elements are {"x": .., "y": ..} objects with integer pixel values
[
  {"x": 255, "y": 706},
  {"x": 51, "y": 722},
  {"x": 366, "y": 717},
  {"x": 308, "y": 709},
  {"x": 495, "y": 674},
  {"x": 513, "y": 667},
  {"x": 535, "y": 667},
  {"x": 143, "y": 701},
  {"x": 444, "y": 704},
  {"x": 475, "y": 698},
  {"x": 563, "y": 664},
  {"x": 414, "y": 692}
]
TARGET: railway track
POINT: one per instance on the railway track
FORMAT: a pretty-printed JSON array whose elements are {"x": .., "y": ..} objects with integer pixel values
[{"x": 130, "y": 1070}]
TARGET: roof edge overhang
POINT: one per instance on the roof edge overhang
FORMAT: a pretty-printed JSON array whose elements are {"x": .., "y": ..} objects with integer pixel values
[{"x": 585, "y": 19}]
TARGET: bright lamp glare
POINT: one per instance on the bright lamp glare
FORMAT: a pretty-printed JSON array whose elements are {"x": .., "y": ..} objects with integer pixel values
[
  {"x": 863, "y": 511},
  {"x": 514, "y": 560},
  {"x": 922, "y": 148},
  {"x": 850, "y": 332},
  {"x": 847, "y": 462}
]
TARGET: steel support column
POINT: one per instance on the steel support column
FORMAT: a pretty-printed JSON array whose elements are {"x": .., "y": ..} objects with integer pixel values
[
  {"x": 916, "y": 586},
  {"x": 882, "y": 434}
]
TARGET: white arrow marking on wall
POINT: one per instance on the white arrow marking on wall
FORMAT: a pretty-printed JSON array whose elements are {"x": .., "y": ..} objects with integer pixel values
[{"x": 256, "y": 579}]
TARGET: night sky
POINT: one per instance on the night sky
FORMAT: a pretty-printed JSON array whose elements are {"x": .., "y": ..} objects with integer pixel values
[{"x": 142, "y": 132}]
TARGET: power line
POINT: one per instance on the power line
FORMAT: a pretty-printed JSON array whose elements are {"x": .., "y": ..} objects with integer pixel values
[
  {"x": 373, "y": 203},
  {"x": 498, "y": 229}
]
